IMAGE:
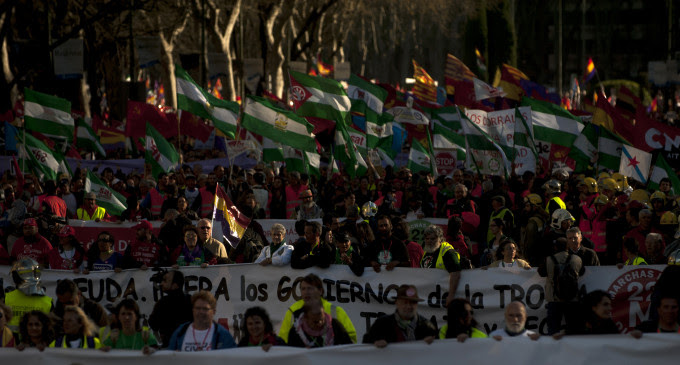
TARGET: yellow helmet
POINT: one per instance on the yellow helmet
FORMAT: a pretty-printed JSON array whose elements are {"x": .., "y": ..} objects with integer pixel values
[
  {"x": 621, "y": 180},
  {"x": 590, "y": 183},
  {"x": 601, "y": 199},
  {"x": 533, "y": 199},
  {"x": 640, "y": 195},
  {"x": 602, "y": 176},
  {"x": 658, "y": 195},
  {"x": 610, "y": 184},
  {"x": 668, "y": 218}
]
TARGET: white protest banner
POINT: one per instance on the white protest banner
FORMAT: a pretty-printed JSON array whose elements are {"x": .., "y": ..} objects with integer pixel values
[
  {"x": 239, "y": 287},
  {"x": 602, "y": 350},
  {"x": 68, "y": 59}
]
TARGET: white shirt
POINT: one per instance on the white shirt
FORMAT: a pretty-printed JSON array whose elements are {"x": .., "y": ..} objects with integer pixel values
[
  {"x": 280, "y": 257},
  {"x": 195, "y": 340},
  {"x": 503, "y": 333}
]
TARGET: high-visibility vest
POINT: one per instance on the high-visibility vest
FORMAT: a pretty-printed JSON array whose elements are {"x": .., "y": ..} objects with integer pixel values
[
  {"x": 22, "y": 303},
  {"x": 557, "y": 200},
  {"x": 334, "y": 311},
  {"x": 83, "y": 215},
  {"x": 439, "y": 264},
  {"x": 207, "y": 202},
  {"x": 637, "y": 261},
  {"x": 87, "y": 342},
  {"x": 501, "y": 216},
  {"x": 156, "y": 203},
  {"x": 293, "y": 199}
]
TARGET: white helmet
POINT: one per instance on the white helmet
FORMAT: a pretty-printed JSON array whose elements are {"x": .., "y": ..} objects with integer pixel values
[{"x": 559, "y": 216}]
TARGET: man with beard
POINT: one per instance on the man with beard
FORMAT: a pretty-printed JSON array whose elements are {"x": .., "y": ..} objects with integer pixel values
[
  {"x": 90, "y": 211},
  {"x": 387, "y": 250},
  {"x": 307, "y": 209},
  {"x": 312, "y": 251},
  {"x": 206, "y": 241},
  {"x": 441, "y": 255},
  {"x": 173, "y": 309},
  {"x": 405, "y": 324},
  {"x": 515, "y": 319},
  {"x": 146, "y": 250},
  {"x": 668, "y": 318},
  {"x": 32, "y": 244}
]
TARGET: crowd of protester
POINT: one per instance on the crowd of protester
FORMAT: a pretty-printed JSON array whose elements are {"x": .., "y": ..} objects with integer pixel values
[{"x": 560, "y": 223}]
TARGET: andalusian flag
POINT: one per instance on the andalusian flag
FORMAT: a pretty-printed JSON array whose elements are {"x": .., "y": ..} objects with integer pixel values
[
  {"x": 379, "y": 132},
  {"x": 87, "y": 139},
  {"x": 197, "y": 101},
  {"x": 483, "y": 153},
  {"x": 313, "y": 163},
  {"x": 279, "y": 125},
  {"x": 42, "y": 159},
  {"x": 662, "y": 170},
  {"x": 319, "y": 97},
  {"x": 446, "y": 139},
  {"x": 271, "y": 151},
  {"x": 526, "y": 155},
  {"x": 159, "y": 152},
  {"x": 295, "y": 159},
  {"x": 48, "y": 115},
  {"x": 107, "y": 198},
  {"x": 419, "y": 158}
]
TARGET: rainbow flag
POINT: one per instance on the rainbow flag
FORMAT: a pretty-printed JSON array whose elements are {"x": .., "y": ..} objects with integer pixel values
[{"x": 234, "y": 223}]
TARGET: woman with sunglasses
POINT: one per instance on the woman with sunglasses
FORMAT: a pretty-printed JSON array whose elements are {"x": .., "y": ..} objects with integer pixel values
[{"x": 102, "y": 256}]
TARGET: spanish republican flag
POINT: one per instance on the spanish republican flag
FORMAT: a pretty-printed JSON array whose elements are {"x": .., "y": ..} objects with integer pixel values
[
  {"x": 234, "y": 223},
  {"x": 590, "y": 71}
]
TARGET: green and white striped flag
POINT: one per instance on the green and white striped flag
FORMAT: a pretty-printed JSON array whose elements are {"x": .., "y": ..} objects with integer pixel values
[
  {"x": 609, "y": 148},
  {"x": 263, "y": 118},
  {"x": 552, "y": 124},
  {"x": 295, "y": 160},
  {"x": 368, "y": 99},
  {"x": 107, "y": 198},
  {"x": 358, "y": 138},
  {"x": 596, "y": 139},
  {"x": 483, "y": 154},
  {"x": 197, "y": 101},
  {"x": 48, "y": 115},
  {"x": 661, "y": 170},
  {"x": 584, "y": 148},
  {"x": 313, "y": 163},
  {"x": 43, "y": 161},
  {"x": 446, "y": 139},
  {"x": 419, "y": 158},
  {"x": 319, "y": 97},
  {"x": 380, "y": 131},
  {"x": 526, "y": 155},
  {"x": 343, "y": 150},
  {"x": 87, "y": 139},
  {"x": 449, "y": 117},
  {"x": 159, "y": 152},
  {"x": 271, "y": 151}
]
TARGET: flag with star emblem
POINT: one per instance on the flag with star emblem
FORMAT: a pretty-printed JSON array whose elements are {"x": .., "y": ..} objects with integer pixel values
[{"x": 635, "y": 163}]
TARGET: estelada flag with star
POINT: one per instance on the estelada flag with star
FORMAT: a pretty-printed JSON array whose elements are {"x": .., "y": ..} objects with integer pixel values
[{"x": 635, "y": 163}]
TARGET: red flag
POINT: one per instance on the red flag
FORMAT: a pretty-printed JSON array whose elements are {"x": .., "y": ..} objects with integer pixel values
[
  {"x": 195, "y": 127},
  {"x": 465, "y": 95},
  {"x": 138, "y": 114}
]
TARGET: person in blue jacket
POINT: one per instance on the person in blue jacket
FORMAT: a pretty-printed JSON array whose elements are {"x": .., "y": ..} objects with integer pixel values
[{"x": 203, "y": 334}]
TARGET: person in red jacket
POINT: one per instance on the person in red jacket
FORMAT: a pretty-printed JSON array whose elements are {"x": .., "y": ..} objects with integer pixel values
[
  {"x": 32, "y": 244},
  {"x": 146, "y": 250}
]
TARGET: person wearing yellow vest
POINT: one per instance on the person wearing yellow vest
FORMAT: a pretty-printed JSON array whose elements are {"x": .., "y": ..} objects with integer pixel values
[
  {"x": 79, "y": 331},
  {"x": 459, "y": 322},
  {"x": 90, "y": 211},
  {"x": 441, "y": 255},
  {"x": 501, "y": 212},
  {"x": 631, "y": 250},
  {"x": 553, "y": 189},
  {"x": 311, "y": 289},
  {"x": 29, "y": 294}
]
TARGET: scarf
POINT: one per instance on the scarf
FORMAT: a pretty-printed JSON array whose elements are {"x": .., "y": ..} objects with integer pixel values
[
  {"x": 407, "y": 327},
  {"x": 191, "y": 256},
  {"x": 326, "y": 333},
  {"x": 273, "y": 248}
]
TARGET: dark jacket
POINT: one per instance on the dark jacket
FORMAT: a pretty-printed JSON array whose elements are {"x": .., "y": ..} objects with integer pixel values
[
  {"x": 321, "y": 256},
  {"x": 357, "y": 265},
  {"x": 169, "y": 313},
  {"x": 386, "y": 328}
]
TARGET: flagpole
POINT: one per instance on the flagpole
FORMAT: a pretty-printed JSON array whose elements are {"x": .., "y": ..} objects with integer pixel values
[
  {"x": 600, "y": 82},
  {"x": 179, "y": 136}
]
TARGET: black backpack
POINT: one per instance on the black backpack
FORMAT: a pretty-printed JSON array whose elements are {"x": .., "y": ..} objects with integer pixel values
[{"x": 565, "y": 281}]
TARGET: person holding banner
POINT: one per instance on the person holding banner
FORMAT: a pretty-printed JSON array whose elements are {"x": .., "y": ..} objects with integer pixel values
[
  {"x": 311, "y": 251},
  {"x": 206, "y": 241},
  {"x": 202, "y": 334},
  {"x": 146, "y": 250},
  {"x": 102, "y": 256},
  {"x": 173, "y": 308},
  {"x": 441, "y": 255},
  {"x": 347, "y": 254},
  {"x": 311, "y": 288},
  {"x": 506, "y": 256},
  {"x": 190, "y": 253},
  {"x": 6, "y": 336},
  {"x": 315, "y": 328},
  {"x": 386, "y": 250},
  {"x": 460, "y": 324},
  {"x": 515, "y": 319},
  {"x": 78, "y": 331},
  {"x": 405, "y": 324},
  {"x": 130, "y": 336},
  {"x": 259, "y": 330},
  {"x": 278, "y": 253}
]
